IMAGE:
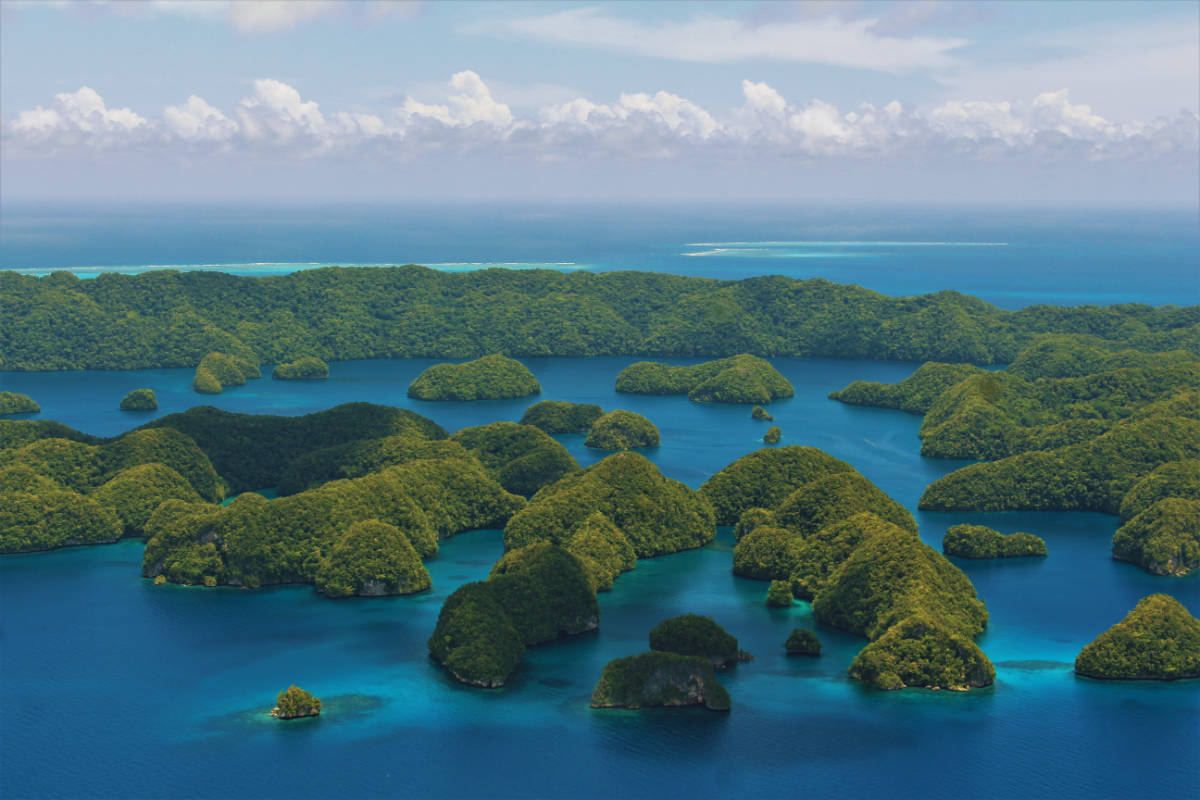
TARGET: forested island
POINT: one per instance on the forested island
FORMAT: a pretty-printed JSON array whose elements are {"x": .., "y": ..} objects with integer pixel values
[
  {"x": 980, "y": 541},
  {"x": 218, "y": 370},
  {"x": 307, "y": 368},
  {"x": 738, "y": 379},
  {"x": 140, "y": 400},
  {"x": 622, "y": 430},
  {"x": 1157, "y": 640},
  {"x": 14, "y": 403},
  {"x": 493, "y": 377}
]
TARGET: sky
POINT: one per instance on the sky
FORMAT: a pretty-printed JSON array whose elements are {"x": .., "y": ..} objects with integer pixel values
[{"x": 911, "y": 101}]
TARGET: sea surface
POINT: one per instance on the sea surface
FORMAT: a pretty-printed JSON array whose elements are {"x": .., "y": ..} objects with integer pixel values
[
  {"x": 112, "y": 687},
  {"x": 1007, "y": 256}
]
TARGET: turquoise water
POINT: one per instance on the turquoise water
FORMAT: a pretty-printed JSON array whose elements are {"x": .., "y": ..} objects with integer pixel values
[{"x": 113, "y": 687}]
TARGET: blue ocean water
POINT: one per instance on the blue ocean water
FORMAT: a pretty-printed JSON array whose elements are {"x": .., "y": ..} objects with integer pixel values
[
  {"x": 112, "y": 687},
  {"x": 1010, "y": 257}
]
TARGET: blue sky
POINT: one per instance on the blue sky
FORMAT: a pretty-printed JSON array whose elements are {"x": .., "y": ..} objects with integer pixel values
[{"x": 952, "y": 101}]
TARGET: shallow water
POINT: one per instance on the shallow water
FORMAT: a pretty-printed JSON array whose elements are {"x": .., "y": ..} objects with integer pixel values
[{"x": 114, "y": 687}]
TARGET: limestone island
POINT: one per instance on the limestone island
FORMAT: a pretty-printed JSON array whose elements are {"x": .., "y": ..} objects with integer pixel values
[
  {"x": 695, "y": 635},
  {"x": 1164, "y": 539},
  {"x": 761, "y": 414},
  {"x": 659, "y": 679},
  {"x": 773, "y": 435},
  {"x": 293, "y": 703},
  {"x": 978, "y": 541},
  {"x": 493, "y": 377},
  {"x": 218, "y": 370},
  {"x": 622, "y": 430},
  {"x": 14, "y": 403},
  {"x": 140, "y": 400},
  {"x": 1157, "y": 641},
  {"x": 559, "y": 416},
  {"x": 302, "y": 369},
  {"x": 779, "y": 594},
  {"x": 803, "y": 642},
  {"x": 371, "y": 559},
  {"x": 738, "y": 379}
]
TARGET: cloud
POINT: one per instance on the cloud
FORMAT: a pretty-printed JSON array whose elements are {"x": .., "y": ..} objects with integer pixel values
[
  {"x": 714, "y": 39},
  {"x": 276, "y": 15},
  {"x": 276, "y": 119},
  {"x": 249, "y": 16}
]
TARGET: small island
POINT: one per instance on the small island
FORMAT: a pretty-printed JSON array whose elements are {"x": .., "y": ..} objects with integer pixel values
[
  {"x": 779, "y": 594},
  {"x": 978, "y": 541},
  {"x": 622, "y": 430},
  {"x": 760, "y": 413},
  {"x": 559, "y": 416},
  {"x": 659, "y": 679},
  {"x": 803, "y": 642},
  {"x": 302, "y": 369},
  {"x": 218, "y": 370},
  {"x": 738, "y": 379},
  {"x": 140, "y": 400},
  {"x": 1164, "y": 539},
  {"x": 14, "y": 403},
  {"x": 493, "y": 377},
  {"x": 1157, "y": 641},
  {"x": 294, "y": 703},
  {"x": 695, "y": 635},
  {"x": 773, "y": 435}
]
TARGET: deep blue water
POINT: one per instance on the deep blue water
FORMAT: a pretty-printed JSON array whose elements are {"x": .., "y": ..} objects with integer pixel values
[
  {"x": 1010, "y": 257},
  {"x": 112, "y": 687}
]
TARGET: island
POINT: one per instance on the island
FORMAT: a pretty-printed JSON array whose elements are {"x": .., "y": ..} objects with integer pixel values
[
  {"x": 760, "y": 413},
  {"x": 140, "y": 400},
  {"x": 779, "y": 594},
  {"x": 521, "y": 457},
  {"x": 978, "y": 541},
  {"x": 738, "y": 379},
  {"x": 802, "y": 642},
  {"x": 1164, "y": 539},
  {"x": 695, "y": 635},
  {"x": 493, "y": 377},
  {"x": 1158, "y": 640},
  {"x": 307, "y": 368},
  {"x": 773, "y": 435},
  {"x": 15, "y": 403},
  {"x": 559, "y": 416},
  {"x": 622, "y": 430},
  {"x": 371, "y": 559},
  {"x": 218, "y": 370},
  {"x": 659, "y": 679},
  {"x": 293, "y": 703}
]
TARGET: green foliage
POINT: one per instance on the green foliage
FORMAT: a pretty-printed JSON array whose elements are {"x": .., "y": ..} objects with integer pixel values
[
  {"x": 817, "y": 557},
  {"x": 307, "y": 368},
  {"x": 1163, "y": 539},
  {"x": 764, "y": 478},
  {"x": 773, "y": 435},
  {"x": 492, "y": 377},
  {"x": 294, "y": 702},
  {"x": 218, "y": 370},
  {"x": 978, "y": 541},
  {"x": 656, "y": 514},
  {"x": 917, "y": 652},
  {"x": 134, "y": 493},
  {"x": 371, "y": 559},
  {"x": 836, "y": 497},
  {"x": 359, "y": 458},
  {"x": 139, "y": 400},
  {"x": 53, "y": 519},
  {"x": 1173, "y": 479},
  {"x": 802, "y": 642},
  {"x": 760, "y": 413},
  {"x": 602, "y": 549},
  {"x": 559, "y": 416},
  {"x": 738, "y": 379},
  {"x": 1157, "y": 640},
  {"x": 779, "y": 594},
  {"x": 1074, "y": 356},
  {"x": 23, "y": 478},
  {"x": 767, "y": 553},
  {"x": 521, "y": 457},
  {"x": 204, "y": 382},
  {"x": 915, "y": 394},
  {"x": 750, "y": 519},
  {"x": 15, "y": 433},
  {"x": 695, "y": 635},
  {"x": 251, "y": 451},
  {"x": 622, "y": 430},
  {"x": 475, "y": 639},
  {"x": 14, "y": 403},
  {"x": 659, "y": 679}
]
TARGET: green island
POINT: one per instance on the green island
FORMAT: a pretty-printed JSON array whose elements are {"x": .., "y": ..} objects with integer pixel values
[
  {"x": 979, "y": 541},
  {"x": 802, "y": 642},
  {"x": 533, "y": 595},
  {"x": 14, "y": 403},
  {"x": 371, "y": 559},
  {"x": 522, "y": 458},
  {"x": 659, "y": 679},
  {"x": 622, "y": 430},
  {"x": 773, "y": 435},
  {"x": 1164, "y": 539},
  {"x": 779, "y": 594},
  {"x": 1158, "y": 640},
  {"x": 559, "y": 416},
  {"x": 493, "y": 377},
  {"x": 760, "y": 413},
  {"x": 218, "y": 370},
  {"x": 695, "y": 635},
  {"x": 140, "y": 400},
  {"x": 293, "y": 703},
  {"x": 738, "y": 379},
  {"x": 307, "y": 368}
]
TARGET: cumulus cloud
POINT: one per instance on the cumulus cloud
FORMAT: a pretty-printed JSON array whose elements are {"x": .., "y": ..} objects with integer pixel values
[{"x": 275, "y": 118}]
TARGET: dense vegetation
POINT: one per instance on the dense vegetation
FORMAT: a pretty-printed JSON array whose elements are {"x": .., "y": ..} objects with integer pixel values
[
  {"x": 218, "y": 370},
  {"x": 979, "y": 541},
  {"x": 294, "y": 702},
  {"x": 135, "y": 492},
  {"x": 802, "y": 642},
  {"x": 779, "y": 594},
  {"x": 603, "y": 549},
  {"x": 761, "y": 414},
  {"x": 763, "y": 479},
  {"x": 493, "y": 377},
  {"x": 1163, "y": 539},
  {"x": 738, "y": 379},
  {"x": 371, "y": 559},
  {"x": 14, "y": 403},
  {"x": 915, "y": 652},
  {"x": 361, "y": 457},
  {"x": 534, "y": 595},
  {"x": 656, "y": 515},
  {"x": 622, "y": 430},
  {"x": 1157, "y": 640},
  {"x": 165, "y": 318},
  {"x": 521, "y": 457},
  {"x": 307, "y": 368},
  {"x": 695, "y": 635},
  {"x": 140, "y": 400},
  {"x": 915, "y": 394},
  {"x": 773, "y": 435},
  {"x": 659, "y": 679},
  {"x": 559, "y": 416},
  {"x": 50, "y": 519},
  {"x": 1172, "y": 479}
]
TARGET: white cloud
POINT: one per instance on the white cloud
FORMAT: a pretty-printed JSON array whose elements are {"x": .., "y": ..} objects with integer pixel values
[
  {"x": 196, "y": 120},
  {"x": 275, "y": 111},
  {"x": 248, "y": 16},
  {"x": 79, "y": 116},
  {"x": 276, "y": 15},
  {"x": 473, "y": 103}
]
